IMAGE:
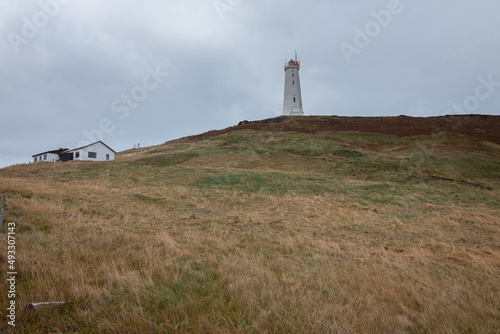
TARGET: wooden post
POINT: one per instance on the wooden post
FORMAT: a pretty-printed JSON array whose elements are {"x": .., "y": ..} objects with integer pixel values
[{"x": 1, "y": 214}]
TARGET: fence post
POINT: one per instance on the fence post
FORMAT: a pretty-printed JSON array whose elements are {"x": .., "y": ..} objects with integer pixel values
[{"x": 1, "y": 214}]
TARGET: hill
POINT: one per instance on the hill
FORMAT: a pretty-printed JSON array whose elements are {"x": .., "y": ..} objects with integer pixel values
[
  {"x": 276, "y": 226},
  {"x": 485, "y": 127}
]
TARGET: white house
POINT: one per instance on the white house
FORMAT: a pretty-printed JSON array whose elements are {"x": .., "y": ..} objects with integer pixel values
[
  {"x": 97, "y": 151},
  {"x": 49, "y": 156}
]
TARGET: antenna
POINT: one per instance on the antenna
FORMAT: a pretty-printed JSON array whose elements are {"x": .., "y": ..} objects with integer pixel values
[{"x": 295, "y": 55}]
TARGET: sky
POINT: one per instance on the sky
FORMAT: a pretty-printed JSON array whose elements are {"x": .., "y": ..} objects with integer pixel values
[{"x": 129, "y": 72}]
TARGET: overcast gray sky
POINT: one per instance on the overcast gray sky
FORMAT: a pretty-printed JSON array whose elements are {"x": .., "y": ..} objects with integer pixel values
[{"x": 150, "y": 71}]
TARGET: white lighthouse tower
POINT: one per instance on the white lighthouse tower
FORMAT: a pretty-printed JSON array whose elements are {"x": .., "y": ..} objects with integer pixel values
[{"x": 292, "y": 101}]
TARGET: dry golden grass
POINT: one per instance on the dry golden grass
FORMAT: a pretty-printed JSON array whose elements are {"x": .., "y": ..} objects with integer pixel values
[{"x": 228, "y": 242}]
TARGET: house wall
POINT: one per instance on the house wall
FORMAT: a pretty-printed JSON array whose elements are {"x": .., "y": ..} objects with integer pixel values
[
  {"x": 98, "y": 148},
  {"x": 51, "y": 157}
]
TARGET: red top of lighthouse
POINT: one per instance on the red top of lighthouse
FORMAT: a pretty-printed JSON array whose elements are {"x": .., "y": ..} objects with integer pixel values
[{"x": 292, "y": 62}]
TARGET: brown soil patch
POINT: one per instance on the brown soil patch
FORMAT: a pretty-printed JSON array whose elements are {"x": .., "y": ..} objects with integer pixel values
[{"x": 484, "y": 127}]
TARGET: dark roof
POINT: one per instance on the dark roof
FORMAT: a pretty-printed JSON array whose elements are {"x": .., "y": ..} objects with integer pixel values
[
  {"x": 59, "y": 151},
  {"x": 79, "y": 148}
]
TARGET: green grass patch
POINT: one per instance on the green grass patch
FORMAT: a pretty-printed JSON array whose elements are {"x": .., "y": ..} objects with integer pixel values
[
  {"x": 347, "y": 153},
  {"x": 270, "y": 182},
  {"x": 166, "y": 160},
  {"x": 147, "y": 199}
]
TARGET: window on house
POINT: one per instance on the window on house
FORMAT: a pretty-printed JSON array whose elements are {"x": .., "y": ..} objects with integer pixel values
[
  {"x": 77, "y": 154},
  {"x": 36, "y": 159},
  {"x": 92, "y": 155},
  {"x": 107, "y": 156},
  {"x": 45, "y": 157}
]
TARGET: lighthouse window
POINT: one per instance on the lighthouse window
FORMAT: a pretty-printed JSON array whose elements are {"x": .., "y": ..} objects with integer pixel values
[
  {"x": 293, "y": 99},
  {"x": 293, "y": 75},
  {"x": 293, "y": 83}
]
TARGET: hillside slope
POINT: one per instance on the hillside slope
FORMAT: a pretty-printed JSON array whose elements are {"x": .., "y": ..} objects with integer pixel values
[
  {"x": 484, "y": 127},
  {"x": 264, "y": 230}
]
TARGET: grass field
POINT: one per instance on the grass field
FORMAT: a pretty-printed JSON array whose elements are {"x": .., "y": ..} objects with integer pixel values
[{"x": 262, "y": 232}]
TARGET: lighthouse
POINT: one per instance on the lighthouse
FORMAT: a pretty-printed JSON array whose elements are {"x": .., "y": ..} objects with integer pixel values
[{"x": 292, "y": 100}]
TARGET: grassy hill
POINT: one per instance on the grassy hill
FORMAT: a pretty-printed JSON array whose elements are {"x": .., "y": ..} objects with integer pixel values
[{"x": 283, "y": 225}]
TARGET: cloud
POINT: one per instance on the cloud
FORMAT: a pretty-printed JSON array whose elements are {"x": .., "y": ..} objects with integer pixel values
[{"x": 64, "y": 80}]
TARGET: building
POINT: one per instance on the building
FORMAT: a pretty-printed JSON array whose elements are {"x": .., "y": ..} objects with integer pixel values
[
  {"x": 97, "y": 151},
  {"x": 49, "y": 156},
  {"x": 292, "y": 100}
]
